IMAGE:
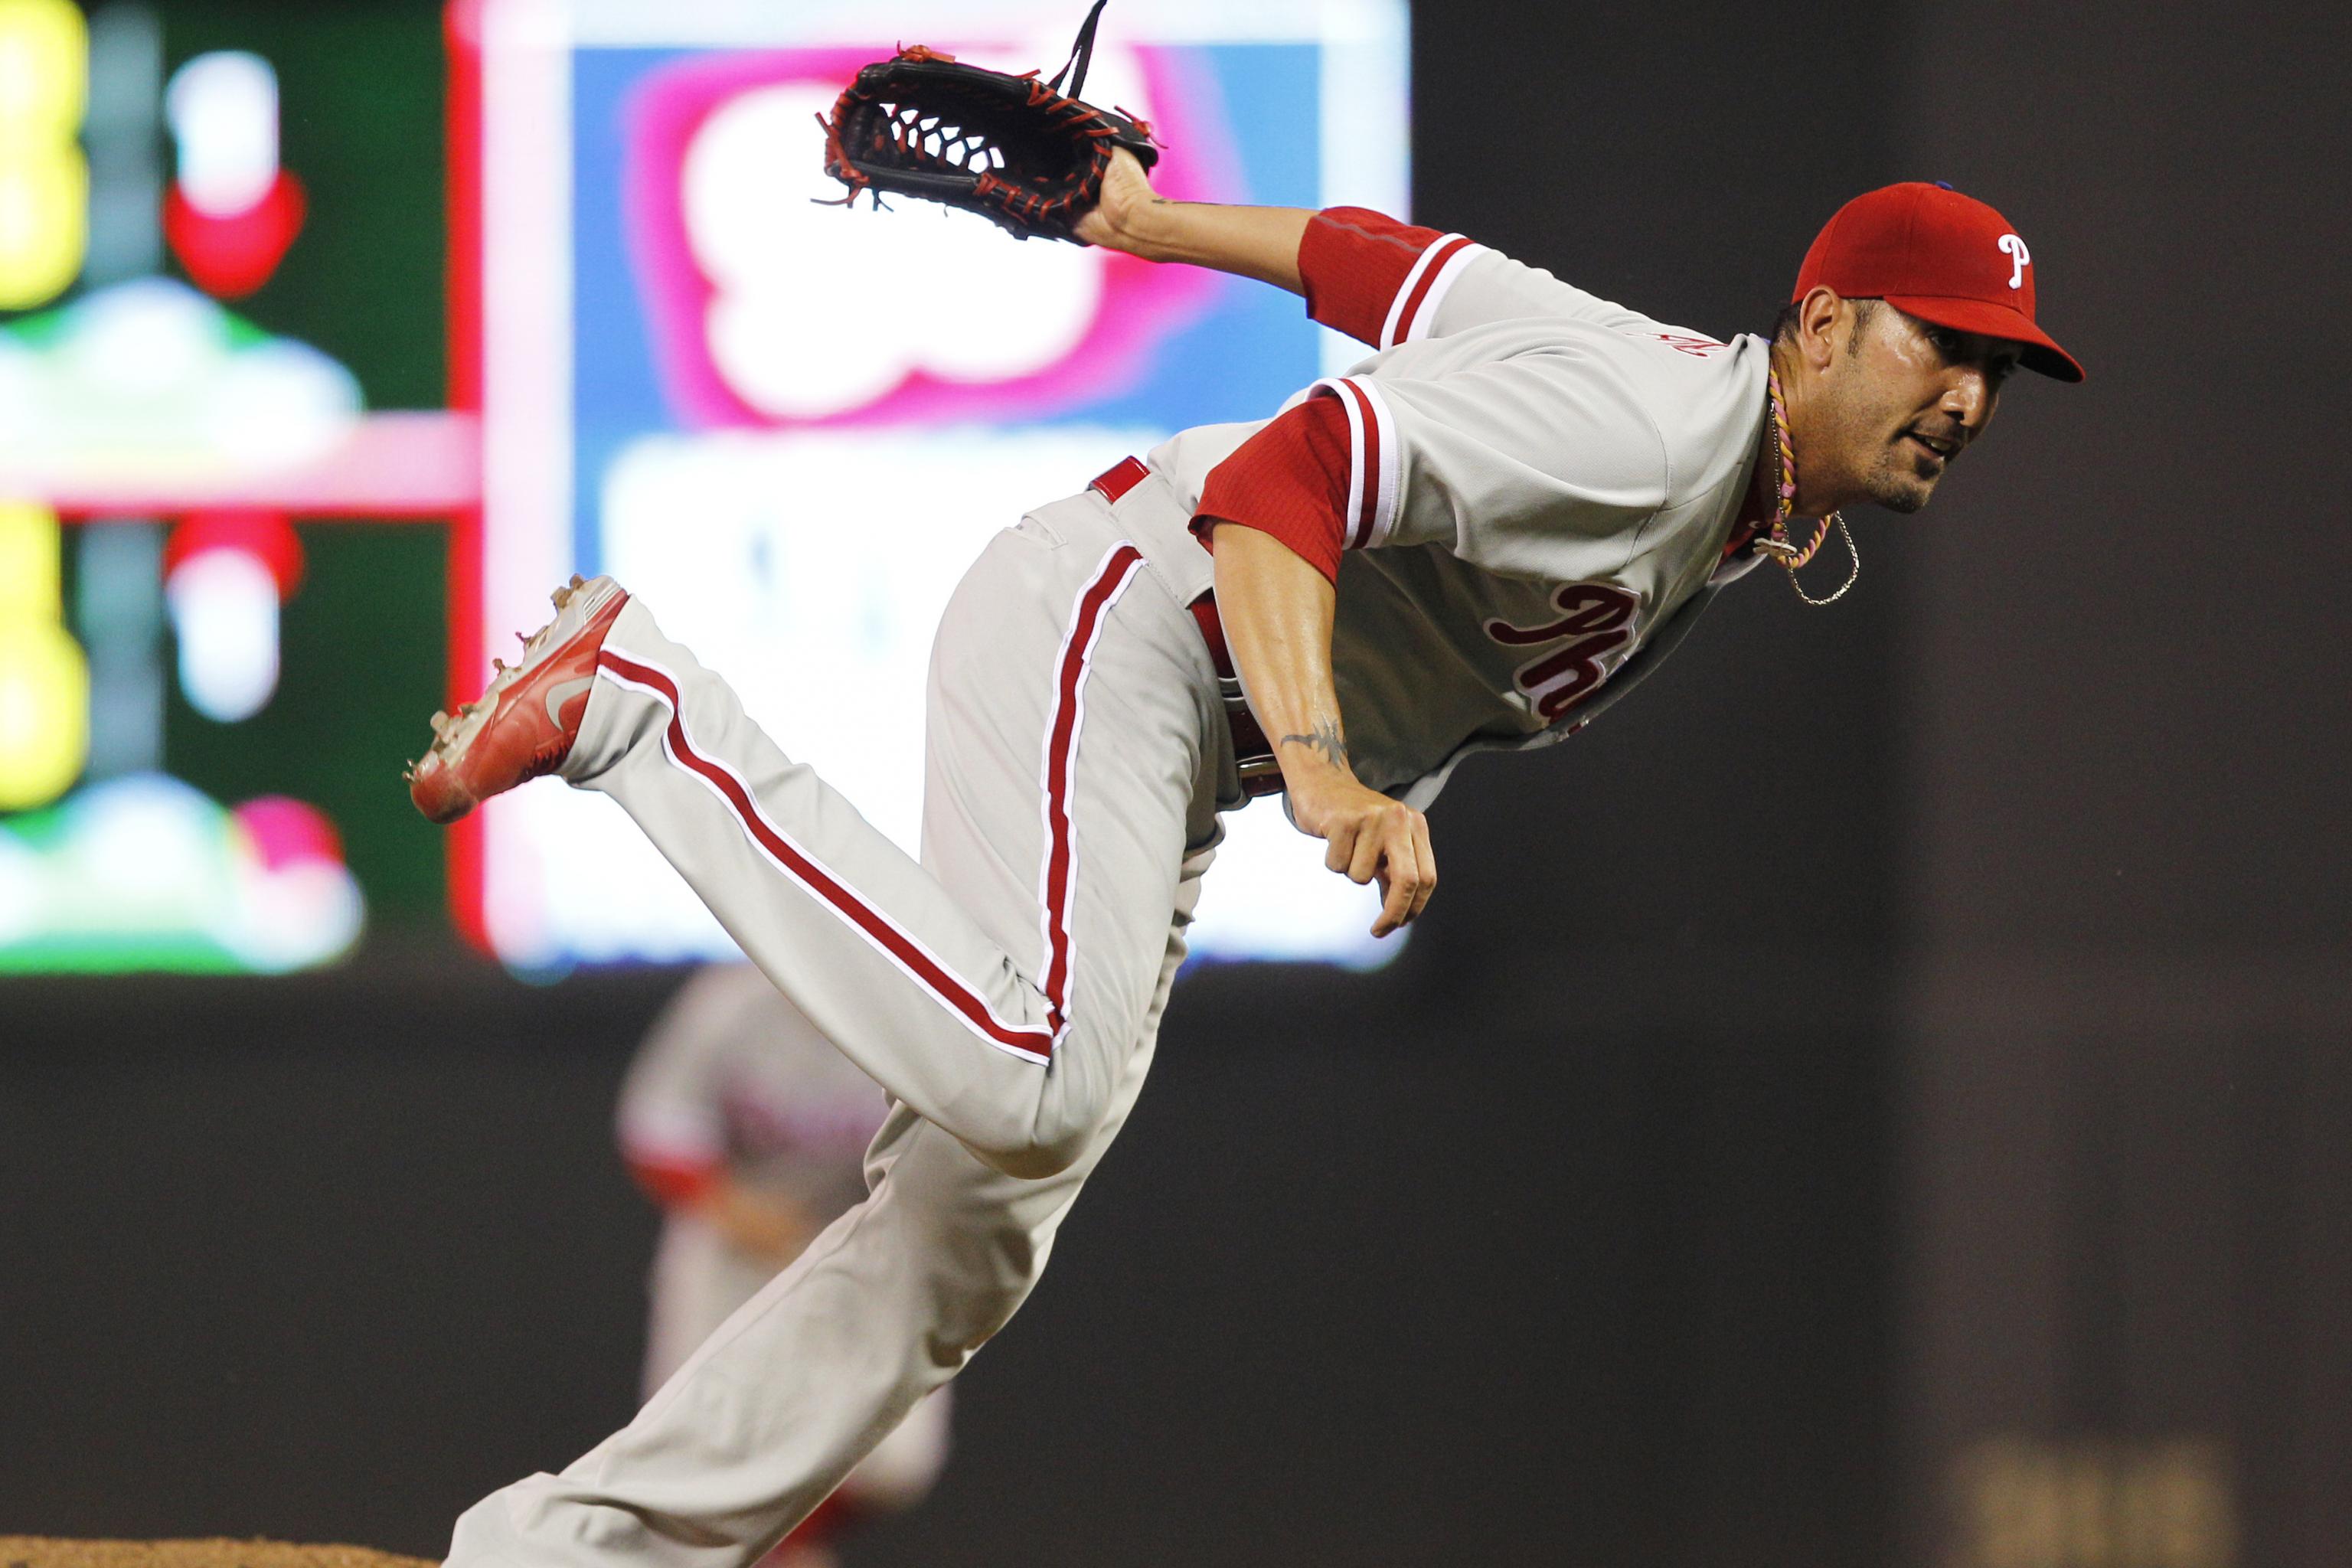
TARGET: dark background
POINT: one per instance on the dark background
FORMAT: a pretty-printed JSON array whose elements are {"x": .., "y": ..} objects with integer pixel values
[{"x": 1879, "y": 1097}]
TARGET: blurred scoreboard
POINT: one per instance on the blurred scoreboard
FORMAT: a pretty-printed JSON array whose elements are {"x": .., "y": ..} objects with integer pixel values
[
  {"x": 244, "y": 548},
  {"x": 175, "y": 690},
  {"x": 790, "y": 426}
]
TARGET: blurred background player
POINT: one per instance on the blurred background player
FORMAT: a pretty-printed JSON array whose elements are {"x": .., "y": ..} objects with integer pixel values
[{"x": 748, "y": 1129}]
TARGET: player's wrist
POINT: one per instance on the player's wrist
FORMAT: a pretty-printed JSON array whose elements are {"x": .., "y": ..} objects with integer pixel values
[
  {"x": 1145, "y": 225},
  {"x": 1312, "y": 779}
]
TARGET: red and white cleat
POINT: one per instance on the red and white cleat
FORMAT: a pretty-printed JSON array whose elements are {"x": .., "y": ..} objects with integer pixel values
[{"x": 524, "y": 726}]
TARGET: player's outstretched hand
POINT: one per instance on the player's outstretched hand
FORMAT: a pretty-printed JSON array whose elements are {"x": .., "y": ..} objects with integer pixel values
[
  {"x": 1367, "y": 834},
  {"x": 1252, "y": 242},
  {"x": 1112, "y": 222}
]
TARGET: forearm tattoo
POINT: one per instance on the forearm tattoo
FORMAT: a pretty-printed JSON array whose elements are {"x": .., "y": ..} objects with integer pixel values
[{"x": 1326, "y": 739}]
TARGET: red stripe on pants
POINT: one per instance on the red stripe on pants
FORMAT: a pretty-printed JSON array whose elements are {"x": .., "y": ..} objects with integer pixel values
[
  {"x": 1030, "y": 1040},
  {"x": 1110, "y": 579}
]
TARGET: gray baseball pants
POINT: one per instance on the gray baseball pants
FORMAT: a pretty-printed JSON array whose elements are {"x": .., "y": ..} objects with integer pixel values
[{"x": 1007, "y": 992}]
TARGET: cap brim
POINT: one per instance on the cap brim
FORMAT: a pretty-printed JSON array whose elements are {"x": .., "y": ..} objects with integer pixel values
[{"x": 2004, "y": 322}]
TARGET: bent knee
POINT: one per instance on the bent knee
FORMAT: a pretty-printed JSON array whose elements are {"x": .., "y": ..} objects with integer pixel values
[
  {"x": 1042, "y": 1138},
  {"x": 1034, "y": 1158}
]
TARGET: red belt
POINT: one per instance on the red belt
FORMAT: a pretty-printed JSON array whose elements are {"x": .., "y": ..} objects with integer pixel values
[{"x": 1261, "y": 773}]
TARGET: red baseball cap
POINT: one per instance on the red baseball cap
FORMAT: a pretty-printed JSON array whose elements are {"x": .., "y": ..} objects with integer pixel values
[{"x": 1933, "y": 253}]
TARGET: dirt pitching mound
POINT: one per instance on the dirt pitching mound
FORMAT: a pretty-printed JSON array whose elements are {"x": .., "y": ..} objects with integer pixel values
[{"x": 37, "y": 1551}]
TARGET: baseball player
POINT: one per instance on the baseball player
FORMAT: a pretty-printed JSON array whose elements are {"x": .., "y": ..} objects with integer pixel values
[
  {"x": 1508, "y": 512},
  {"x": 748, "y": 1129}
]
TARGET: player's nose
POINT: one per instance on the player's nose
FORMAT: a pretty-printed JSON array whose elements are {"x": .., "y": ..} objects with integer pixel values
[{"x": 1968, "y": 400}]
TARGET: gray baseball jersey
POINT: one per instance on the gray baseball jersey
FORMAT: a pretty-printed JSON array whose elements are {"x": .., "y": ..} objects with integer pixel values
[
  {"x": 1521, "y": 493},
  {"x": 1541, "y": 487}
]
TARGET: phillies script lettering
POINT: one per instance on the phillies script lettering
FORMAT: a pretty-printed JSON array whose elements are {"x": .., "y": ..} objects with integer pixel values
[
  {"x": 1599, "y": 621},
  {"x": 1686, "y": 343}
]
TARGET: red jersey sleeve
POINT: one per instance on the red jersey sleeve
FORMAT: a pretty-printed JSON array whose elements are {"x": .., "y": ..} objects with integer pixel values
[
  {"x": 1375, "y": 278},
  {"x": 1290, "y": 480}
]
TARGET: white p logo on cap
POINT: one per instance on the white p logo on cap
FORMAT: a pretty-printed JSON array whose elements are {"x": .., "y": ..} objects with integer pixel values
[{"x": 2018, "y": 257}]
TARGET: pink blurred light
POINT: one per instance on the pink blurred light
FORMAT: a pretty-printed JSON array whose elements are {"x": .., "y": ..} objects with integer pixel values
[
  {"x": 1141, "y": 303},
  {"x": 394, "y": 467},
  {"x": 286, "y": 832}
]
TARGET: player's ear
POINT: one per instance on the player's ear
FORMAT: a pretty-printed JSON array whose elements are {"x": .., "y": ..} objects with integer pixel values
[{"x": 1818, "y": 315}]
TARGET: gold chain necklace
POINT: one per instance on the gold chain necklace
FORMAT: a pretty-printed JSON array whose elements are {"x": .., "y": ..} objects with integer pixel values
[{"x": 1776, "y": 543}]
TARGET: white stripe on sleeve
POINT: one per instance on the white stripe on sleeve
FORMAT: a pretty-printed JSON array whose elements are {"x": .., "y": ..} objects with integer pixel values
[
  {"x": 1425, "y": 315},
  {"x": 1388, "y": 338},
  {"x": 1332, "y": 387},
  {"x": 1391, "y": 477}
]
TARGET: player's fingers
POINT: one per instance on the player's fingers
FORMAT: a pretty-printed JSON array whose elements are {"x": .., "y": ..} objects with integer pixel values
[
  {"x": 1340, "y": 849},
  {"x": 1372, "y": 845},
  {"x": 1404, "y": 868},
  {"x": 1426, "y": 860},
  {"x": 1124, "y": 185},
  {"x": 1400, "y": 879}
]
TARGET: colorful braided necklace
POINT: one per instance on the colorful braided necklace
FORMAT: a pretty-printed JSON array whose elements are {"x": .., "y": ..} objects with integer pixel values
[{"x": 1777, "y": 543}]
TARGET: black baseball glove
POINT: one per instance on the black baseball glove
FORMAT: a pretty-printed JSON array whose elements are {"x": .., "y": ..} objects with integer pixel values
[{"x": 1010, "y": 148}]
